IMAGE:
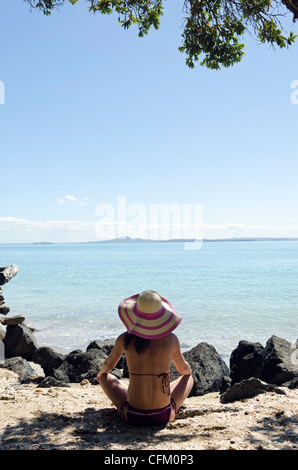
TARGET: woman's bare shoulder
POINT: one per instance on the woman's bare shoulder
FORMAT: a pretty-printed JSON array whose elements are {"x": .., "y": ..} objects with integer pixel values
[
  {"x": 170, "y": 341},
  {"x": 121, "y": 337}
]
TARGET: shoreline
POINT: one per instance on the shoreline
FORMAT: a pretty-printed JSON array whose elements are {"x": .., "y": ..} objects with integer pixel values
[{"x": 81, "y": 417}]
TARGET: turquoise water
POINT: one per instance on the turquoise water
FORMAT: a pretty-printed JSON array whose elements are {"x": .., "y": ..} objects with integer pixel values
[{"x": 226, "y": 291}]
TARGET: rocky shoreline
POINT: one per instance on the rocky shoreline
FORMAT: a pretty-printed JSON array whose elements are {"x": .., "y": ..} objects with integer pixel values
[
  {"x": 254, "y": 368},
  {"x": 45, "y": 397}
]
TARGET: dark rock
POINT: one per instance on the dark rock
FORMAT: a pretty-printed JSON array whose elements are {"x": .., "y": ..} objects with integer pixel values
[
  {"x": 106, "y": 346},
  {"x": 80, "y": 365},
  {"x": 248, "y": 388},
  {"x": 20, "y": 366},
  {"x": 225, "y": 384},
  {"x": 48, "y": 359},
  {"x": 4, "y": 310},
  {"x": 292, "y": 384},
  {"x": 49, "y": 382},
  {"x": 14, "y": 320},
  {"x": 7, "y": 273},
  {"x": 20, "y": 341},
  {"x": 246, "y": 361},
  {"x": 280, "y": 365},
  {"x": 208, "y": 368}
]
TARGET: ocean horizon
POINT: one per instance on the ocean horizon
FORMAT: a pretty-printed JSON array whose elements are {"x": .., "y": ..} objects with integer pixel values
[{"x": 225, "y": 292}]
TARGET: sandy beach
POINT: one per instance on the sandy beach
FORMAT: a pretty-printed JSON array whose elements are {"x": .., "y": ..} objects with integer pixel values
[{"x": 81, "y": 417}]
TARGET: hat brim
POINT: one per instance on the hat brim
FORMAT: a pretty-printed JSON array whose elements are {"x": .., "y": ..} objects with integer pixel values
[{"x": 148, "y": 325}]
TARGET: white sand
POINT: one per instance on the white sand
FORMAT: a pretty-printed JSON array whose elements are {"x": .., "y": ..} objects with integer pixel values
[{"x": 81, "y": 417}]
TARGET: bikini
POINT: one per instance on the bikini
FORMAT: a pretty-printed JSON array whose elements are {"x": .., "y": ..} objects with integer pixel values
[{"x": 139, "y": 417}]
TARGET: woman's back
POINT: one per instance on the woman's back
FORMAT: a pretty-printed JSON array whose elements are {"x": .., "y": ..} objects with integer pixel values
[{"x": 149, "y": 373}]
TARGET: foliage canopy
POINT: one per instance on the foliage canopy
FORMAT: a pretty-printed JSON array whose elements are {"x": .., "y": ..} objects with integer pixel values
[{"x": 212, "y": 28}]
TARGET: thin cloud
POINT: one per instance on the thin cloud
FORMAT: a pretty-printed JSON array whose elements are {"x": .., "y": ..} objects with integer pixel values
[
  {"x": 70, "y": 198},
  {"x": 14, "y": 230}
]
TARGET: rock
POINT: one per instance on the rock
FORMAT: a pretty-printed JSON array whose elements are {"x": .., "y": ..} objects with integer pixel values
[
  {"x": 15, "y": 320},
  {"x": 106, "y": 346},
  {"x": 7, "y": 273},
  {"x": 20, "y": 366},
  {"x": 246, "y": 361},
  {"x": 247, "y": 388},
  {"x": 49, "y": 382},
  {"x": 4, "y": 310},
  {"x": 85, "y": 382},
  {"x": 48, "y": 359},
  {"x": 276, "y": 363},
  {"x": 292, "y": 384},
  {"x": 80, "y": 365},
  {"x": 20, "y": 341},
  {"x": 209, "y": 369},
  {"x": 279, "y": 365}
]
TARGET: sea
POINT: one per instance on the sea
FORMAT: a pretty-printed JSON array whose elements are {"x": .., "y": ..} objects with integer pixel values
[{"x": 226, "y": 291}]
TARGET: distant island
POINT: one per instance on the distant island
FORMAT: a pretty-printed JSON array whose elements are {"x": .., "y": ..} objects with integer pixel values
[
  {"x": 186, "y": 240},
  {"x": 148, "y": 240},
  {"x": 43, "y": 243}
]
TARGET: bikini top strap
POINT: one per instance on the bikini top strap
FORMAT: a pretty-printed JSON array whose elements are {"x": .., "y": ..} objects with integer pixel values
[{"x": 165, "y": 382}]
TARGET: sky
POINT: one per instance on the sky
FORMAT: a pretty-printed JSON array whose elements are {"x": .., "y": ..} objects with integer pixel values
[{"x": 100, "y": 126}]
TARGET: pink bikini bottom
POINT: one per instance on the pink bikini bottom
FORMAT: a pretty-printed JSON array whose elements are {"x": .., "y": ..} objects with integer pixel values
[{"x": 138, "y": 417}]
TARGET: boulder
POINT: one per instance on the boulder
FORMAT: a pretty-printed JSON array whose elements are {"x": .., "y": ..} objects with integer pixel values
[
  {"x": 20, "y": 341},
  {"x": 280, "y": 362},
  {"x": 20, "y": 366},
  {"x": 106, "y": 346},
  {"x": 48, "y": 359},
  {"x": 292, "y": 384},
  {"x": 7, "y": 273},
  {"x": 247, "y": 388},
  {"x": 80, "y": 365},
  {"x": 246, "y": 361},
  {"x": 4, "y": 309},
  {"x": 49, "y": 382},
  {"x": 209, "y": 369},
  {"x": 14, "y": 320}
]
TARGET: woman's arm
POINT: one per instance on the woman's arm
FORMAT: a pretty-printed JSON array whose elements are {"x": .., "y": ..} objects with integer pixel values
[
  {"x": 115, "y": 355},
  {"x": 181, "y": 364}
]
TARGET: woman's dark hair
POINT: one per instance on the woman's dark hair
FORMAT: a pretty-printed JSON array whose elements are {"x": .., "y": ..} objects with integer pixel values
[{"x": 141, "y": 344}]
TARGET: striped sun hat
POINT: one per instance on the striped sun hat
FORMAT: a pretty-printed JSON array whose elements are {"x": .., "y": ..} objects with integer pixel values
[{"x": 148, "y": 315}]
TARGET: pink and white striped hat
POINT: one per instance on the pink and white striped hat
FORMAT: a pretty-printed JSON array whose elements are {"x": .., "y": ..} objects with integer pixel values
[{"x": 148, "y": 315}]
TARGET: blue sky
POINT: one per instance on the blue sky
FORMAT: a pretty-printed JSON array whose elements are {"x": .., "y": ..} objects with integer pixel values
[{"x": 92, "y": 112}]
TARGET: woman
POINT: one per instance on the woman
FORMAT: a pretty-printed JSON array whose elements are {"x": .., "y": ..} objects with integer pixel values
[{"x": 149, "y": 346}]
